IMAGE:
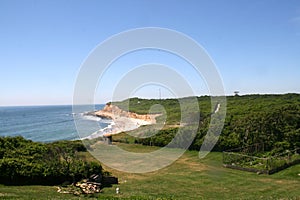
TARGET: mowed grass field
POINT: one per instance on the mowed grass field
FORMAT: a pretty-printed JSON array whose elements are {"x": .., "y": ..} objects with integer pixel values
[{"x": 187, "y": 178}]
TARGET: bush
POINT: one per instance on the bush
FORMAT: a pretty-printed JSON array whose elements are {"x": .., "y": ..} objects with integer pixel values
[{"x": 26, "y": 162}]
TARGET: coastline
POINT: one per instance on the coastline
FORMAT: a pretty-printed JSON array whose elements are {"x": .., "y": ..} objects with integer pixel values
[{"x": 122, "y": 121}]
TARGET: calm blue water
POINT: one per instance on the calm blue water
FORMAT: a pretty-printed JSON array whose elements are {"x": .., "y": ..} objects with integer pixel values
[{"x": 46, "y": 123}]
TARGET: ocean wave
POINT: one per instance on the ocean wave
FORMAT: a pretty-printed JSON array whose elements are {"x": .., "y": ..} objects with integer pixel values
[
  {"x": 93, "y": 118},
  {"x": 101, "y": 132}
]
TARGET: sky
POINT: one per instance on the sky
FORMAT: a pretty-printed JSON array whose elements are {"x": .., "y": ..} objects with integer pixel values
[{"x": 255, "y": 45}]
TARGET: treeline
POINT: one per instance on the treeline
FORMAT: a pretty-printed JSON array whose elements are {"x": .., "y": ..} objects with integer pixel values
[
  {"x": 26, "y": 162},
  {"x": 270, "y": 119},
  {"x": 171, "y": 107}
]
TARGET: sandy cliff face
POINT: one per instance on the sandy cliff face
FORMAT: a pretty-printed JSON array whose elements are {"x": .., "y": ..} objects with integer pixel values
[{"x": 112, "y": 112}]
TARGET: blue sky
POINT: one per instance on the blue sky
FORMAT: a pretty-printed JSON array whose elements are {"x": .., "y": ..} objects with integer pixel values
[{"x": 254, "y": 44}]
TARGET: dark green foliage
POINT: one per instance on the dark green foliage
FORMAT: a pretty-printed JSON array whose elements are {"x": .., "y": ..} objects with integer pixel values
[
  {"x": 76, "y": 145},
  {"x": 270, "y": 119},
  {"x": 27, "y": 162},
  {"x": 162, "y": 138}
]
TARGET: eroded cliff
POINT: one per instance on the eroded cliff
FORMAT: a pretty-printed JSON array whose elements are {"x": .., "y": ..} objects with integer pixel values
[{"x": 113, "y": 112}]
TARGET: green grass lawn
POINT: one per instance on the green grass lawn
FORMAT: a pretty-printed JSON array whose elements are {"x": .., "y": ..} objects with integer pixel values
[{"x": 187, "y": 178}]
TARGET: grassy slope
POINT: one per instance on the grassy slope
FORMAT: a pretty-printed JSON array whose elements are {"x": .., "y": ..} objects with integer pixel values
[
  {"x": 187, "y": 178},
  {"x": 192, "y": 178}
]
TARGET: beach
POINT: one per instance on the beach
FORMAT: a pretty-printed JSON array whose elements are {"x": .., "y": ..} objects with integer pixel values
[{"x": 121, "y": 121}]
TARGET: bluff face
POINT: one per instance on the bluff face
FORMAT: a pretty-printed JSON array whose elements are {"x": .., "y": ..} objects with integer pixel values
[{"x": 113, "y": 112}]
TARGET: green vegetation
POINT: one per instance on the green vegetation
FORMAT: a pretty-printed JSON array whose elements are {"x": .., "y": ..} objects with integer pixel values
[
  {"x": 270, "y": 119},
  {"x": 25, "y": 162},
  {"x": 192, "y": 178},
  {"x": 171, "y": 106},
  {"x": 254, "y": 158},
  {"x": 187, "y": 178}
]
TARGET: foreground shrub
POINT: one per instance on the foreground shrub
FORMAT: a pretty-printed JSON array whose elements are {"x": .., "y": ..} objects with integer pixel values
[{"x": 27, "y": 162}]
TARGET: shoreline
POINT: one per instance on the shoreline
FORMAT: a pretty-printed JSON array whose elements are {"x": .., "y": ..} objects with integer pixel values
[{"x": 122, "y": 121}]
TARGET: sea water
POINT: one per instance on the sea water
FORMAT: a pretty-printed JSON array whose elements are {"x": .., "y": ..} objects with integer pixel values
[{"x": 49, "y": 123}]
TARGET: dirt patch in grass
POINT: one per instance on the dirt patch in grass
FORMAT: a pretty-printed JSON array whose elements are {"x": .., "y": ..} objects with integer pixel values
[{"x": 191, "y": 164}]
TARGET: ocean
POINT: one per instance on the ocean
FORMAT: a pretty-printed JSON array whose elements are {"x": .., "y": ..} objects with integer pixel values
[{"x": 49, "y": 123}]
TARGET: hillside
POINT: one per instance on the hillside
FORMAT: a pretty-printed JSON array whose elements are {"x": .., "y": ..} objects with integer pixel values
[{"x": 272, "y": 119}]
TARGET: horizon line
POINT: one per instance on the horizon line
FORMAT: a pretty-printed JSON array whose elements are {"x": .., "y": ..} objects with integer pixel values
[{"x": 226, "y": 95}]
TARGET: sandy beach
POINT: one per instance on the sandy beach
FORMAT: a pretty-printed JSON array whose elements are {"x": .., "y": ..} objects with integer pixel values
[{"x": 122, "y": 121}]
